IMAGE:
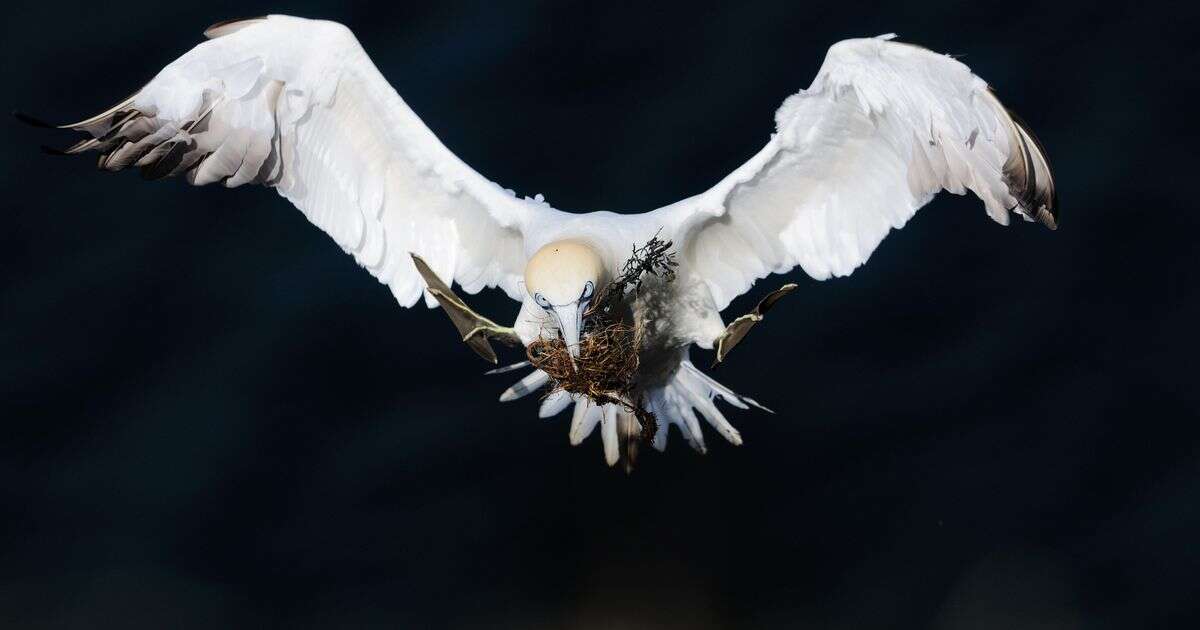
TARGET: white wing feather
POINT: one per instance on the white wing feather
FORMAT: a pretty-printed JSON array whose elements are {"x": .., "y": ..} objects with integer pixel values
[
  {"x": 296, "y": 104},
  {"x": 883, "y": 128}
]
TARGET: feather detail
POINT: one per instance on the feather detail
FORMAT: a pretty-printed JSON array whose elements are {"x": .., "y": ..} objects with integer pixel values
[
  {"x": 531, "y": 383},
  {"x": 554, "y": 403}
]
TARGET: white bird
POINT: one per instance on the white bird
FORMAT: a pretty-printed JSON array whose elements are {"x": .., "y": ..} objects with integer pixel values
[{"x": 296, "y": 105}]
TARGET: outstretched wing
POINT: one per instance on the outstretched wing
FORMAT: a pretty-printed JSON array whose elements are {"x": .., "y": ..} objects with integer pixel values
[
  {"x": 883, "y": 128},
  {"x": 297, "y": 105}
]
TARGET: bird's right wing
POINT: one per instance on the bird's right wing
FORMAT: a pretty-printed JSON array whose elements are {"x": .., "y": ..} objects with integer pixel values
[{"x": 296, "y": 104}]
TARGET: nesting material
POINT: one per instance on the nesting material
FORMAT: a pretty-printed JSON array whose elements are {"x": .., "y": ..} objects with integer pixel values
[
  {"x": 654, "y": 258},
  {"x": 607, "y": 367}
]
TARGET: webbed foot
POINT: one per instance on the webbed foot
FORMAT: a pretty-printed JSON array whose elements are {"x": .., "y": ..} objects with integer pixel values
[
  {"x": 740, "y": 327},
  {"x": 476, "y": 330}
]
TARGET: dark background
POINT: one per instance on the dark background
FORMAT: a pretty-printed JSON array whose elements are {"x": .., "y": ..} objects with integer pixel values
[{"x": 211, "y": 417}]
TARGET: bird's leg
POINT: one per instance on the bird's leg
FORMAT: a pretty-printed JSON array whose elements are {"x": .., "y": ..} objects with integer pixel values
[
  {"x": 740, "y": 327},
  {"x": 475, "y": 329}
]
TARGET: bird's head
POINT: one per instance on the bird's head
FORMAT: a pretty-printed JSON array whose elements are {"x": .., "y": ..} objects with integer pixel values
[{"x": 563, "y": 278}]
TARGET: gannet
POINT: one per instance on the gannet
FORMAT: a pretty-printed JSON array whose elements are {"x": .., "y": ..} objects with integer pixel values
[{"x": 296, "y": 105}]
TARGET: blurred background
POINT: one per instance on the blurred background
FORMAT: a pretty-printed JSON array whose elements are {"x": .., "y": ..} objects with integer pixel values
[{"x": 211, "y": 417}]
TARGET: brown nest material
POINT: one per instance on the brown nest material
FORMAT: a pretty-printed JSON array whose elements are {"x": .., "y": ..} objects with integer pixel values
[
  {"x": 606, "y": 369},
  {"x": 606, "y": 365}
]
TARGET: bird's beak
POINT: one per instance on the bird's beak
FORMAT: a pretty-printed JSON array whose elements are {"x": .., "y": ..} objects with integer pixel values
[{"x": 570, "y": 322}]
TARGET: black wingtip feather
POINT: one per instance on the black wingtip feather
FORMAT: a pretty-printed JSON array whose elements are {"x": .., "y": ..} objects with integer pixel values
[
  {"x": 1035, "y": 191},
  {"x": 31, "y": 120},
  {"x": 225, "y": 27},
  {"x": 165, "y": 165}
]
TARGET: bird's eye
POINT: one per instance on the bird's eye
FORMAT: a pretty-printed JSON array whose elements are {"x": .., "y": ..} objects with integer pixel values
[
  {"x": 541, "y": 301},
  {"x": 588, "y": 289}
]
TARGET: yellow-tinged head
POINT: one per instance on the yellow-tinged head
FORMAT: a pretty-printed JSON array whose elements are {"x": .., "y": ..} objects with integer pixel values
[{"x": 562, "y": 278}]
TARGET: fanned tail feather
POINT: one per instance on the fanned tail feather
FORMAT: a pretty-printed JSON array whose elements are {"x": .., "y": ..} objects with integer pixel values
[
  {"x": 674, "y": 402},
  {"x": 687, "y": 391}
]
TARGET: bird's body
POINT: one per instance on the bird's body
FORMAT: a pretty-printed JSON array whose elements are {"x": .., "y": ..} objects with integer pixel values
[
  {"x": 671, "y": 317},
  {"x": 297, "y": 105}
]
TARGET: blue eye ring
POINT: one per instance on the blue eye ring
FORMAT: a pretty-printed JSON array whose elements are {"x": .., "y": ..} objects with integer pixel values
[{"x": 588, "y": 289}]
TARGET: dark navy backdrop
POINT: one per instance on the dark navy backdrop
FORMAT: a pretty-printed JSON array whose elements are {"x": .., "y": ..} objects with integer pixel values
[{"x": 210, "y": 417}]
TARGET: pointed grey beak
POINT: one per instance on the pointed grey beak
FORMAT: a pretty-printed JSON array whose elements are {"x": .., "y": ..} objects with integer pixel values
[{"x": 570, "y": 321}]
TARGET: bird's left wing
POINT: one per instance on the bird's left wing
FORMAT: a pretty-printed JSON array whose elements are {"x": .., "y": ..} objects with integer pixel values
[
  {"x": 297, "y": 105},
  {"x": 883, "y": 128}
]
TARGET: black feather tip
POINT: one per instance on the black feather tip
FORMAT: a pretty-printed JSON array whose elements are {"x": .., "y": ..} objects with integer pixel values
[{"x": 31, "y": 120}]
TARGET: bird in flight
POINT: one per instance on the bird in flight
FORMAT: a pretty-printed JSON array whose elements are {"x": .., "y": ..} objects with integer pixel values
[{"x": 610, "y": 304}]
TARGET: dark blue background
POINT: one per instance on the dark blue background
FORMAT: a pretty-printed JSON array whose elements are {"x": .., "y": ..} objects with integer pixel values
[{"x": 211, "y": 417}]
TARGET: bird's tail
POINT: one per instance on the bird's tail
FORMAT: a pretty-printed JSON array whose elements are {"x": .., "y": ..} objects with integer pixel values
[
  {"x": 685, "y": 392},
  {"x": 673, "y": 402}
]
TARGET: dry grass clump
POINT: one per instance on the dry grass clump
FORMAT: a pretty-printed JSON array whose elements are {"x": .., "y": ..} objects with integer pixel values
[
  {"x": 606, "y": 365},
  {"x": 606, "y": 369}
]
